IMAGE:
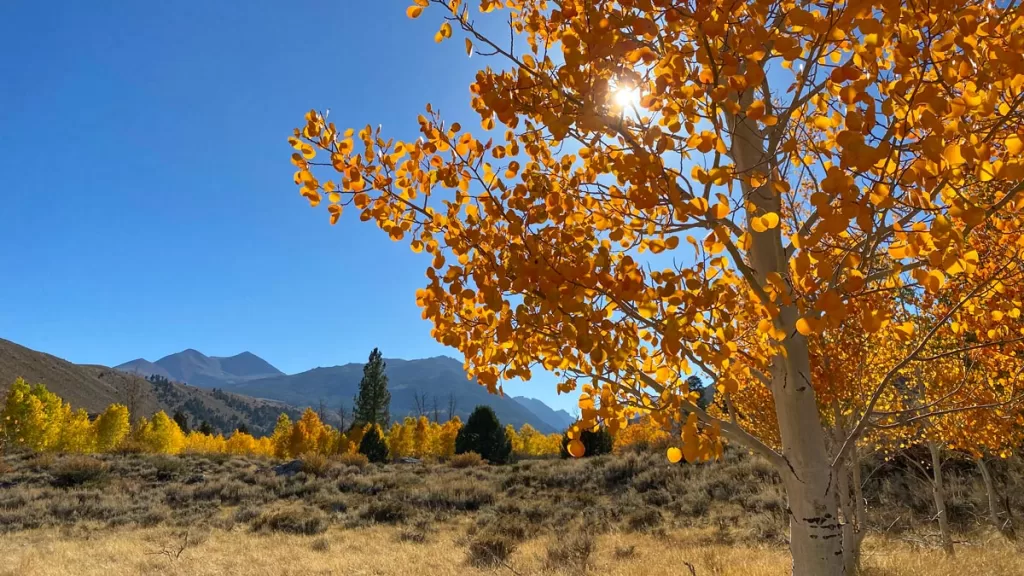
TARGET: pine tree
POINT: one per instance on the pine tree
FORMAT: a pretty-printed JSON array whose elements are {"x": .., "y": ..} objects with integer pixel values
[
  {"x": 373, "y": 446},
  {"x": 182, "y": 421},
  {"x": 242, "y": 429},
  {"x": 205, "y": 428},
  {"x": 374, "y": 399},
  {"x": 695, "y": 384},
  {"x": 484, "y": 435}
]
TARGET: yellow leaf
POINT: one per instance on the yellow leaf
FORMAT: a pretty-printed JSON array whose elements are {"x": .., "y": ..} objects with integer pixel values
[
  {"x": 469, "y": 47},
  {"x": 906, "y": 329},
  {"x": 414, "y": 11},
  {"x": 1014, "y": 144},
  {"x": 804, "y": 327},
  {"x": 675, "y": 455},
  {"x": 953, "y": 156},
  {"x": 575, "y": 449},
  {"x": 444, "y": 32}
]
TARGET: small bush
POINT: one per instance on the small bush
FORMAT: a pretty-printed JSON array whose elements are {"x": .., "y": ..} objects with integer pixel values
[
  {"x": 246, "y": 515},
  {"x": 460, "y": 496},
  {"x": 625, "y": 552},
  {"x": 466, "y": 460},
  {"x": 167, "y": 467},
  {"x": 572, "y": 549},
  {"x": 321, "y": 545},
  {"x": 488, "y": 550},
  {"x": 79, "y": 471},
  {"x": 315, "y": 464},
  {"x": 644, "y": 519},
  {"x": 358, "y": 460},
  {"x": 412, "y": 535},
  {"x": 385, "y": 511},
  {"x": 293, "y": 520}
]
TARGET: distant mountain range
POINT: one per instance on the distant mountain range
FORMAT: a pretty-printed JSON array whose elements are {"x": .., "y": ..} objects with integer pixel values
[
  {"x": 195, "y": 368},
  {"x": 557, "y": 419},
  {"x": 431, "y": 386},
  {"x": 96, "y": 387}
]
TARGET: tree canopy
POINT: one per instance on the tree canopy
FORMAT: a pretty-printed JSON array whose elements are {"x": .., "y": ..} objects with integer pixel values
[{"x": 815, "y": 206}]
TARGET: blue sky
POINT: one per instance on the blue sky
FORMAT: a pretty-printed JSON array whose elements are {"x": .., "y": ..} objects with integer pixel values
[{"x": 147, "y": 195}]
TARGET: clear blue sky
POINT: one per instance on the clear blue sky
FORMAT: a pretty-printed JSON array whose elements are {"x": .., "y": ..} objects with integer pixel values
[{"x": 146, "y": 195}]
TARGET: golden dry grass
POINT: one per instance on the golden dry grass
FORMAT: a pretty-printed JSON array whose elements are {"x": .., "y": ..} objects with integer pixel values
[{"x": 378, "y": 551}]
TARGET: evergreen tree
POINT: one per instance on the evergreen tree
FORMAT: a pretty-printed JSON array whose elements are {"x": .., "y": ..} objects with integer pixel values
[
  {"x": 373, "y": 446},
  {"x": 373, "y": 400},
  {"x": 182, "y": 421},
  {"x": 205, "y": 428},
  {"x": 242, "y": 429},
  {"x": 594, "y": 443},
  {"x": 694, "y": 384},
  {"x": 484, "y": 435}
]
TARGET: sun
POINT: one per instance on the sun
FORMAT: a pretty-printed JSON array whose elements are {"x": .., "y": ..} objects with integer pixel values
[{"x": 626, "y": 97}]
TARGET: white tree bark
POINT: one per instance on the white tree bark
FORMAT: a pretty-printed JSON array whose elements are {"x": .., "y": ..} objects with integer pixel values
[
  {"x": 849, "y": 504},
  {"x": 939, "y": 494},
  {"x": 816, "y": 540},
  {"x": 990, "y": 491}
]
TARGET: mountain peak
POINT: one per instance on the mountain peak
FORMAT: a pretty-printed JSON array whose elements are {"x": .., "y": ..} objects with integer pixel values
[{"x": 557, "y": 419}]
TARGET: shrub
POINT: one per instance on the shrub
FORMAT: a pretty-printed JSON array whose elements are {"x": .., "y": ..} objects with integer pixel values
[
  {"x": 321, "y": 545},
  {"x": 385, "y": 511},
  {"x": 466, "y": 460},
  {"x": 460, "y": 496},
  {"x": 488, "y": 550},
  {"x": 167, "y": 467},
  {"x": 78, "y": 471},
  {"x": 572, "y": 549},
  {"x": 373, "y": 446},
  {"x": 484, "y": 435},
  {"x": 644, "y": 519},
  {"x": 315, "y": 464},
  {"x": 293, "y": 520},
  {"x": 349, "y": 459},
  {"x": 594, "y": 443}
]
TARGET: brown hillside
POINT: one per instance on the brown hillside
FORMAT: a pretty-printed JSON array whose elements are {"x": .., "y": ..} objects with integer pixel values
[{"x": 96, "y": 387}]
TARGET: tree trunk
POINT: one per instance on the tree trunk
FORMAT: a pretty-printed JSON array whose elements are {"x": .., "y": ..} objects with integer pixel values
[
  {"x": 851, "y": 537},
  {"x": 852, "y": 528},
  {"x": 990, "y": 491},
  {"x": 816, "y": 540},
  {"x": 858, "y": 499},
  {"x": 939, "y": 494}
]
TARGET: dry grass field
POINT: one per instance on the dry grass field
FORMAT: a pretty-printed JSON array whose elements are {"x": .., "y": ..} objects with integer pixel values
[{"x": 630, "y": 514}]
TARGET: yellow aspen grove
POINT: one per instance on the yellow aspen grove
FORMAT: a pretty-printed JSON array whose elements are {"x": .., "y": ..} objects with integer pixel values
[
  {"x": 23, "y": 418},
  {"x": 305, "y": 434},
  {"x": 161, "y": 435},
  {"x": 446, "y": 437},
  {"x": 641, "y": 435},
  {"x": 662, "y": 188},
  {"x": 282, "y": 436},
  {"x": 77, "y": 434},
  {"x": 199, "y": 443},
  {"x": 111, "y": 428}
]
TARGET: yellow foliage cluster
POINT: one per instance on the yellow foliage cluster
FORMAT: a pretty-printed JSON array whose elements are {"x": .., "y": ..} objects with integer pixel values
[
  {"x": 529, "y": 442},
  {"x": 642, "y": 434},
  {"x": 419, "y": 437},
  {"x": 40, "y": 420}
]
